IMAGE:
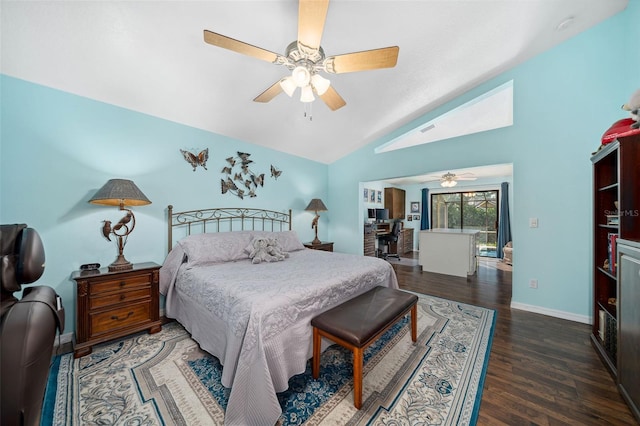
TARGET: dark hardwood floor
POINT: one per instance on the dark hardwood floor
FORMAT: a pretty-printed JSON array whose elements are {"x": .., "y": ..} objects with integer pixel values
[{"x": 542, "y": 370}]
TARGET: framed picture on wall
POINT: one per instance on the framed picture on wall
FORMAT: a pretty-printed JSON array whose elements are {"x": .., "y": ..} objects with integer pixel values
[
  {"x": 379, "y": 199},
  {"x": 409, "y": 218},
  {"x": 372, "y": 195},
  {"x": 415, "y": 207},
  {"x": 416, "y": 217},
  {"x": 366, "y": 195}
]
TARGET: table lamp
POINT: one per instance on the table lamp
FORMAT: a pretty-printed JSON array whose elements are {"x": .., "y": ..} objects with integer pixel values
[
  {"x": 316, "y": 205},
  {"x": 120, "y": 192}
]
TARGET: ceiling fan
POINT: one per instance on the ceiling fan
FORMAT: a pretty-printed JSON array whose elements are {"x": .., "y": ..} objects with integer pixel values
[
  {"x": 449, "y": 180},
  {"x": 305, "y": 58}
]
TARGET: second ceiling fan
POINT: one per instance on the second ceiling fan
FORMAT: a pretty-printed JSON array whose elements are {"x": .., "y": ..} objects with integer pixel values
[
  {"x": 305, "y": 58},
  {"x": 449, "y": 180}
]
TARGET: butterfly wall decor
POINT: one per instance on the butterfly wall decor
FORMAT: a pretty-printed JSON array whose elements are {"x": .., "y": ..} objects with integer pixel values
[
  {"x": 239, "y": 179},
  {"x": 196, "y": 160},
  {"x": 275, "y": 173}
]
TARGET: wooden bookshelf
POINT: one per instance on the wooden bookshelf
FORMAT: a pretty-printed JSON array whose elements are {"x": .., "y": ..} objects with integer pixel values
[{"x": 616, "y": 225}]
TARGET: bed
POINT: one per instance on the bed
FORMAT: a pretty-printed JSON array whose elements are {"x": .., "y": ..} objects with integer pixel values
[{"x": 255, "y": 318}]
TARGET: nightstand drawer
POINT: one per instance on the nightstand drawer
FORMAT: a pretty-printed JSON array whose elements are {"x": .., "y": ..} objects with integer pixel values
[
  {"x": 115, "y": 319},
  {"x": 121, "y": 283},
  {"x": 119, "y": 298}
]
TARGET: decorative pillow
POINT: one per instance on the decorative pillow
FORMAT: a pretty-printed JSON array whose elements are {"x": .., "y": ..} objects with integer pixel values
[
  {"x": 288, "y": 240},
  {"x": 216, "y": 247}
]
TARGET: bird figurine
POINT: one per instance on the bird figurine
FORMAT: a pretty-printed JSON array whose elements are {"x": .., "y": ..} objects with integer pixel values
[
  {"x": 123, "y": 222},
  {"x": 106, "y": 229}
]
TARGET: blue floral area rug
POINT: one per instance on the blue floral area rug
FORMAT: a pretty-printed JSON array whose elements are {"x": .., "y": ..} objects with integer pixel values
[{"x": 166, "y": 379}]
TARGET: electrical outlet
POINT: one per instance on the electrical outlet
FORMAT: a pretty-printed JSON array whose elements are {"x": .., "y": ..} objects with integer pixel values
[
  {"x": 533, "y": 222},
  {"x": 533, "y": 283}
]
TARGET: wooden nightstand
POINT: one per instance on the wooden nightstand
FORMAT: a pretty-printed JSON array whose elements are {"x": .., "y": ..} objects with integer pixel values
[
  {"x": 326, "y": 246},
  {"x": 115, "y": 304}
]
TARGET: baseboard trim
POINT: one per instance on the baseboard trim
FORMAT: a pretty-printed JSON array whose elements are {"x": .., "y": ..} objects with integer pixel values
[
  {"x": 552, "y": 312},
  {"x": 65, "y": 338}
]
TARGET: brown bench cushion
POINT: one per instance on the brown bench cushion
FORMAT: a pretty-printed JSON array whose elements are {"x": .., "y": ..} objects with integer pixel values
[{"x": 359, "y": 320}]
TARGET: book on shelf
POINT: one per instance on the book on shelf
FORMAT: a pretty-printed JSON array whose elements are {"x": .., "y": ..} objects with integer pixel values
[
  {"x": 612, "y": 249},
  {"x": 601, "y": 324}
]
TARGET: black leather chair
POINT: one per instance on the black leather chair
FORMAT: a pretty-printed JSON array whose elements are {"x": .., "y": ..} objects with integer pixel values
[
  {"x": 391, "y": 238},
  {"x": 28, "y": 326}
]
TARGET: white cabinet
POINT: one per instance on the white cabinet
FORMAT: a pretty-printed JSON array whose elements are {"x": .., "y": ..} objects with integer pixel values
[
  {"x": 629, "y": 323},
  {"x": 448, "y": 251}
]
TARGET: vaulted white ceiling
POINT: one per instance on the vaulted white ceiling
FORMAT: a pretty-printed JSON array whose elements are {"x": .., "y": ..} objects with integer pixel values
[{"x": 149, "y": 56}]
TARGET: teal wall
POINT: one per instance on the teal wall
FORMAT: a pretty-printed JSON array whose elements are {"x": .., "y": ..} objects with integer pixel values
[
  {"x": 564, "y": 100},
  {"x": 58, "y": 149}
]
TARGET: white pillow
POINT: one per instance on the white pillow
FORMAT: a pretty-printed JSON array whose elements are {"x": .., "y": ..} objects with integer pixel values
[
  {"x": 288, "y": 240},
  {"x": 216, "y": 247}
]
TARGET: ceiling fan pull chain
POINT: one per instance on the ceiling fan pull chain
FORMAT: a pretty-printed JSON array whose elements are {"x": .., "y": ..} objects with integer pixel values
[{"x": 308, "y": 110}]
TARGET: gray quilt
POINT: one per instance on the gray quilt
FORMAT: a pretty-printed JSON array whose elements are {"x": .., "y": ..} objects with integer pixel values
[{"x": 255, "y": 318}]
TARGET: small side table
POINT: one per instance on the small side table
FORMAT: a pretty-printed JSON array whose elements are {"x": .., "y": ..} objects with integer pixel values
[
  {"x": 325, "y": 246},
  {"x": 115, "y": 304}
]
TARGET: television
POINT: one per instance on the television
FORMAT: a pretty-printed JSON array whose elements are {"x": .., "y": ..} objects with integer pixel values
[
  {"x": 382, "y": 214},
  {"x": 371, "y": 213}
]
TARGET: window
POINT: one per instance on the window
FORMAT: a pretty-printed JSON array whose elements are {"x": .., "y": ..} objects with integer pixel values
[{"x": 469, "y": 210}]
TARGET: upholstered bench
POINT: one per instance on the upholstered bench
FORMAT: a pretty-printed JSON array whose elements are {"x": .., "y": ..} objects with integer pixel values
[{"x": 358, "y": 322}]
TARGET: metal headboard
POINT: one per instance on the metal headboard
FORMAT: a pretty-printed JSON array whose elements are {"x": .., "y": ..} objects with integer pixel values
[{"x": 226, "y": 219}]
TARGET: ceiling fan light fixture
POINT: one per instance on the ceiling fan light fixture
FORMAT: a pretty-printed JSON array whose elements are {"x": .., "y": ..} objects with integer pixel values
[
  {"x": 288, "y": 86},
  {"x": 448, "y": 183},
  {"x": 301, "y": 76},
  {"x": 307, "y": 94},
  {"x": 320, "y": 84}
]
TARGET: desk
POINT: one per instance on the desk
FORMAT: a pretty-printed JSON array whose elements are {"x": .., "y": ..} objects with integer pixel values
[
  {"x": 369, "y": 239},
  {"x": 371, "y": 233},
  {"x": 448, "y": 251},
  {"x": 374, "y": 230}
]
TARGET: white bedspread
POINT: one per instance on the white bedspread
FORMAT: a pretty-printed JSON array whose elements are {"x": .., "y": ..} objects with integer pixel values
[{"x": 255, "y": 318}]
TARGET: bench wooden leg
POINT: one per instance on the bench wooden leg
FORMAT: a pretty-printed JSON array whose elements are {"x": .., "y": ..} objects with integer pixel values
[
  {"x": 414, "y": 322},
  {"x": 357, "y": 377},
  {"x": 315, "y": 362}
]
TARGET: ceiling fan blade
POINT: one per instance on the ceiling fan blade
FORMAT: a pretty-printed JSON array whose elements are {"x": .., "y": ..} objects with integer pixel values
[
  {"x": 239, "y": 46},
  {"x": 386, "y": 57},
  {"x": 465, "y": 178},
  {"x": 333, "y": 100},
  {"x": 270, "y": 93},
  {"x": 311, "y": 17}
]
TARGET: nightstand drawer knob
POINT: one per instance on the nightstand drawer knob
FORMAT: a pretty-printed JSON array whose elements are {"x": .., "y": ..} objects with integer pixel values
[
  {"x": 122, "y": 297},
  {"x": 116, "y": 318},
  {"x": 123, "y": 283}
]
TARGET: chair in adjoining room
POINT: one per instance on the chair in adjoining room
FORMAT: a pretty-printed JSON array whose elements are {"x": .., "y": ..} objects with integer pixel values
[
  {"x": 28, "y": 326},
  {"x": 391, "y": 238}
]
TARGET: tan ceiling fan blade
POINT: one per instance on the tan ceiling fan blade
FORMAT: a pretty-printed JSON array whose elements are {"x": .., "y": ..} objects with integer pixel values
[
  {"x": 333, "y": 100},
  {"x": 386, "y": 57},
  {"x": 270, "y": 93},
  {"x": 239, "y": 46},
  {"x": 311, "y": 17}
]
